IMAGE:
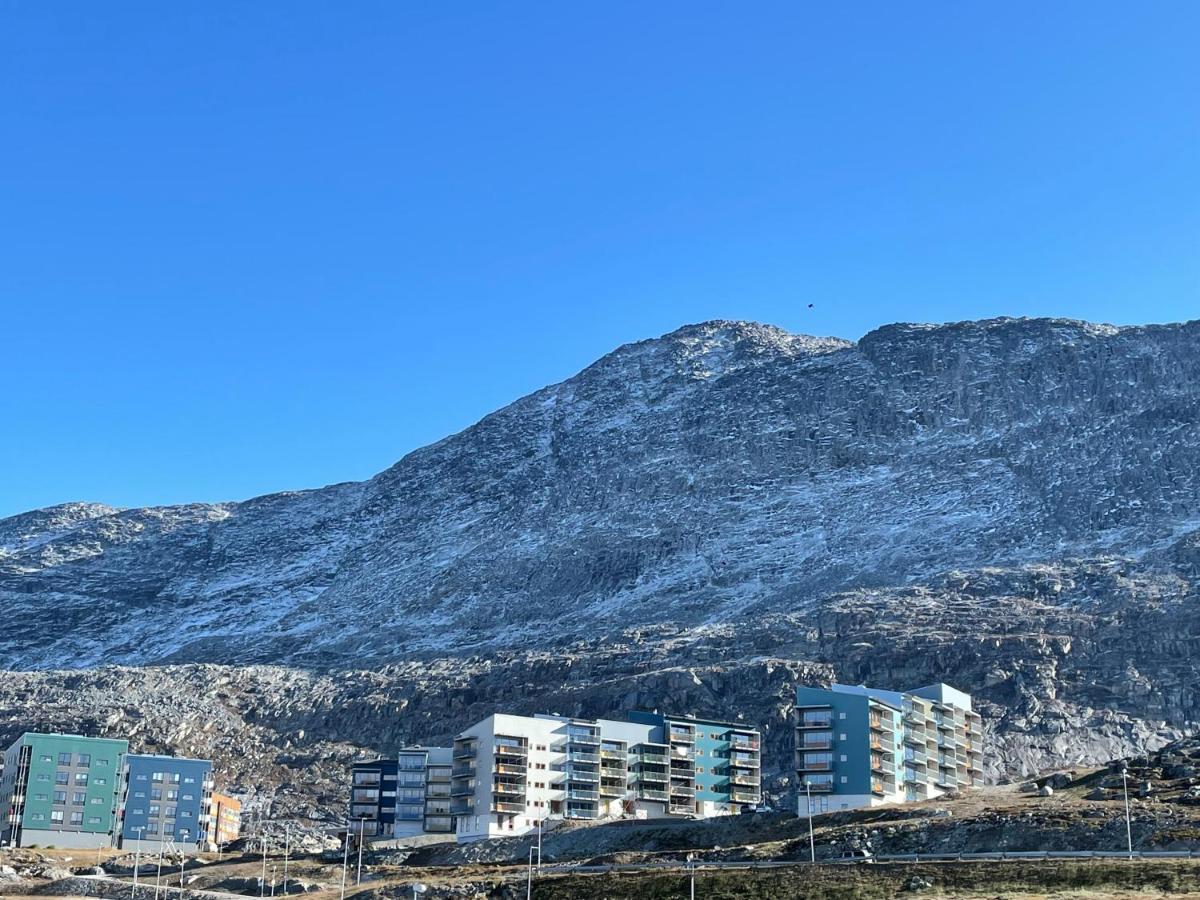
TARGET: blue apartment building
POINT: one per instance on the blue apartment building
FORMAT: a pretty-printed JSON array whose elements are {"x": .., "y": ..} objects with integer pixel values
[
  {"x": 165, "y": 800},
  {"x": 858, "y": 746}
]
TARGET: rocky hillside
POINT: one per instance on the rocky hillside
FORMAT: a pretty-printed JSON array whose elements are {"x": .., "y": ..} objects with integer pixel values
[{"x": 1011, "y": 505}]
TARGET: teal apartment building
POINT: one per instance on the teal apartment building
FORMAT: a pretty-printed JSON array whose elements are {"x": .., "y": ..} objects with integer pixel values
[
  {"x": 60, "y": 790},
  {"x": 858, "y": 746},
  {"x": 715, "y": 766}
]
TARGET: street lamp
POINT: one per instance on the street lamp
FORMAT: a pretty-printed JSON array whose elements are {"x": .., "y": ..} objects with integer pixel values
[
  {"x": 691, "y": 861},
  {"x": 419, "y": 889},
  {"x": 529, "y": 877},
  {"x": 287, "y": 850},
  {"x": 137, "y": 856},
  {"x": 812, "y": 844},
  {"x": 345, "y": 858},
  {"x": 1128, "y": 824},
  {"x": 362, "y": 828}
]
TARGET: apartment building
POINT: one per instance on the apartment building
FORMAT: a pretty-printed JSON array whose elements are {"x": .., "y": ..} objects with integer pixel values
[
  {"x": 714, "y": 766},
  {"x": 373, "y": 798},
  {"x": 423, "y": 791},
  {"x": 510, "y": 772},
  {"x": 167, "y": 800},
  {"x": 858, "y": 746},
  {"x": 60, "y": 790},
  {"x": 224, "y": 820}
]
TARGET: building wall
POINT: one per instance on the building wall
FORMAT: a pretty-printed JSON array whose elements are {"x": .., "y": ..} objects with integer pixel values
[
  {"x": 70, "y": 786},
  {"x": 225, "y": 819},
  {"x": 166, "y": 799}
]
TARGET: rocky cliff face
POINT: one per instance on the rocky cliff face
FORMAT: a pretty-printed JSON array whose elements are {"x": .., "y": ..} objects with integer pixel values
[{"x": 1012, "y": 506}]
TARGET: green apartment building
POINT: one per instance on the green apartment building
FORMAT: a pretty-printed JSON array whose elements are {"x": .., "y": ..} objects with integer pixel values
[{"x": 60, "y": 790}]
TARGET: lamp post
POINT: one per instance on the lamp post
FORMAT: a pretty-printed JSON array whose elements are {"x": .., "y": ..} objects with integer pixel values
[
  {"x": 287, "y": 850},
  {"x": 362, "y": 829},
  {"x": 137, "y": 856},
  {"x": 345, "y": 858},
  {"x": 539, "y": 844},
  {"x": 1128, "y": 823},
  {"x": 262, "y": 884},
  {"x": 691, "y": 861},
  {"x": 158, "y": 870},
  {"x": 419, "y": 889},
  {"x": 529, "y": 877},
  {"x": 812, "y": 844}
]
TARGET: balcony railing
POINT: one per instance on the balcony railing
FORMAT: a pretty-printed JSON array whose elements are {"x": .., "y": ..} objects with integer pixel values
[
  {"x": 462, "y": 807},
  {"x": 651, "y": 794},
  {"x": 683, "y": 737},
  {"x": 462, "y": 790},
  {"x": 743, "y": 743},
  {"x": 679, "y": 790},
  {"x": 744, "y": 762},
  {"x": 509, "y": 769},
  {"x": 466, "y": 752},
  {"x": 660, "y": 758},
  {"x": 503, "y": 806},
  {"x": 590, "y": 740},
  {"x": 462, "y": 771},
  {"x": 582, "y": 794},
  {"x": 744, "y": 796},
  {"x": 816, "y": 787},
  {"x": 654, "y": 776},
  {"x": 811, "y": 743},
  {"x": 509, "y": 789},
  {"x": 807, "y": 721},
  {"x": 822, "y": 765},
  {"x": 506, "y": 748},
  {"x": 681, "y": 809},
  {"x": 743, "y": 780}
]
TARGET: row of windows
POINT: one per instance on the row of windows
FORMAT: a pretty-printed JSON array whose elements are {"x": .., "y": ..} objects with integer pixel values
[
  {"x": 172, "y": 777},
  {"x": 61, "y": 777},
  {"x": 170, "y": 813},
  {"x": 83, "y": 760},
  {"x": 56, "y": 817},
  {"x": 168, "y": 828},
  {"x": 78, "y": 798},
  {"x": 157, "y": 794}
]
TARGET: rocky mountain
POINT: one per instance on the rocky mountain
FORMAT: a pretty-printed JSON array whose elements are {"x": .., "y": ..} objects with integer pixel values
[{"x": 1009, "y": 505}]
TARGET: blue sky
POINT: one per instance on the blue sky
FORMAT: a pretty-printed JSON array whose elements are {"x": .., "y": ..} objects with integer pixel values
[{"x": 248, "y": 247}]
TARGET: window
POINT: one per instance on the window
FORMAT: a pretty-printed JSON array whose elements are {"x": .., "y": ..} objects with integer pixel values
[
  {"x": 842, "y": 736},
  {"x": 138, "y": 812},
  {"x": 154, "y": 809},
  {"x": 186, "y": 814},
  {"x": 155, "y": 793},
  {"x": 81, "y": 777},
  {"x": 174, "y": 778},
  {"x": 43, "y": 776},
  {"x": 93, "y": 820},
  {"x": 152, "y": 828},
  {"x": 76, "y": 818},
  {"x": 191, "y": 797},
  {"x": 60, "y": 796},
  {"x": 64, "y": 759},
  {"x": 62, "y": 777},
  {"x": 841, "y": 715},
  {"x": 99, "y": 781},
  {"x": 38, "y": 817},
  {"x": 189, "y": 780},
  {"x": 56, "y": 815},
  {"x": 79, "y": 798},
  {"x": 47, "y": 758},
  {"x": 83, "y": 760},
  {"x": 141, "y": 777},
  {"x": 156, "y": 776},
  {"x": 42, "y": 797},
  {"x": 843, "y": 757},
  {"x": 142, "y": 794},
  {"x": 172, "y": 795},
  {"x": 102, "y": 762},
  {"x": 97, "y": 801},
  {"x": 843, "y": 779},
  {"x": 170, "y": 812},
  {"x": 169, "y": 828}
]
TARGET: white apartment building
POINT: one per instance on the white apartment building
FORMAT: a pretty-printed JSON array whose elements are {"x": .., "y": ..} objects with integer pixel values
[{"x": 510, "y": 772}]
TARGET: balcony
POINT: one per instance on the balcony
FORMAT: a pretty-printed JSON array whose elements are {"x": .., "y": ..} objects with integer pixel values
[
  {"x": 743, "y": 762},
  {"x": 745, "y": 780},
  {"x": 608, "y": 789},
  {"x": 682, "y": 736},
  {"x": 806, "y": 765},
  {"x": 463, "y": 771},
  {"x": 582, "y": 794},
  {"x": 509, "y": 748},
  {"x": 650, "y": 794},
  {"x": 574, "y": 774},
  {"x": 653, "y": 776},
  {"x": 365, "y": 779},
  {"x": 813, "y": 743},
  {"x": 877, "y": 786},
  {"x": 583, "y": 757},
  {"x": 462, "y": 790},
  {"x": 588, "y": 740},
  {"x": 744, "y": 796},
  {"x": 462, "y": 807},
  {"x": 613, "y": 753},
  {"x": 877, "y": 764},
  {"x": 657, "y": 758},
  {"x": 508, "y": 789},
  {"x": 816, "y": 787},
  {"x": 809, "y": 720},
  {"x": 682, "y": 790},
  {"x": 504, "y": 806},
  {"x": 509, "y": 769},
  {"x": 681, "y": 809}
]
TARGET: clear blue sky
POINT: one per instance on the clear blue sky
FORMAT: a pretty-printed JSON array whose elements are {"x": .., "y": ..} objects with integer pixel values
[{"x": 248, "y": 247}]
